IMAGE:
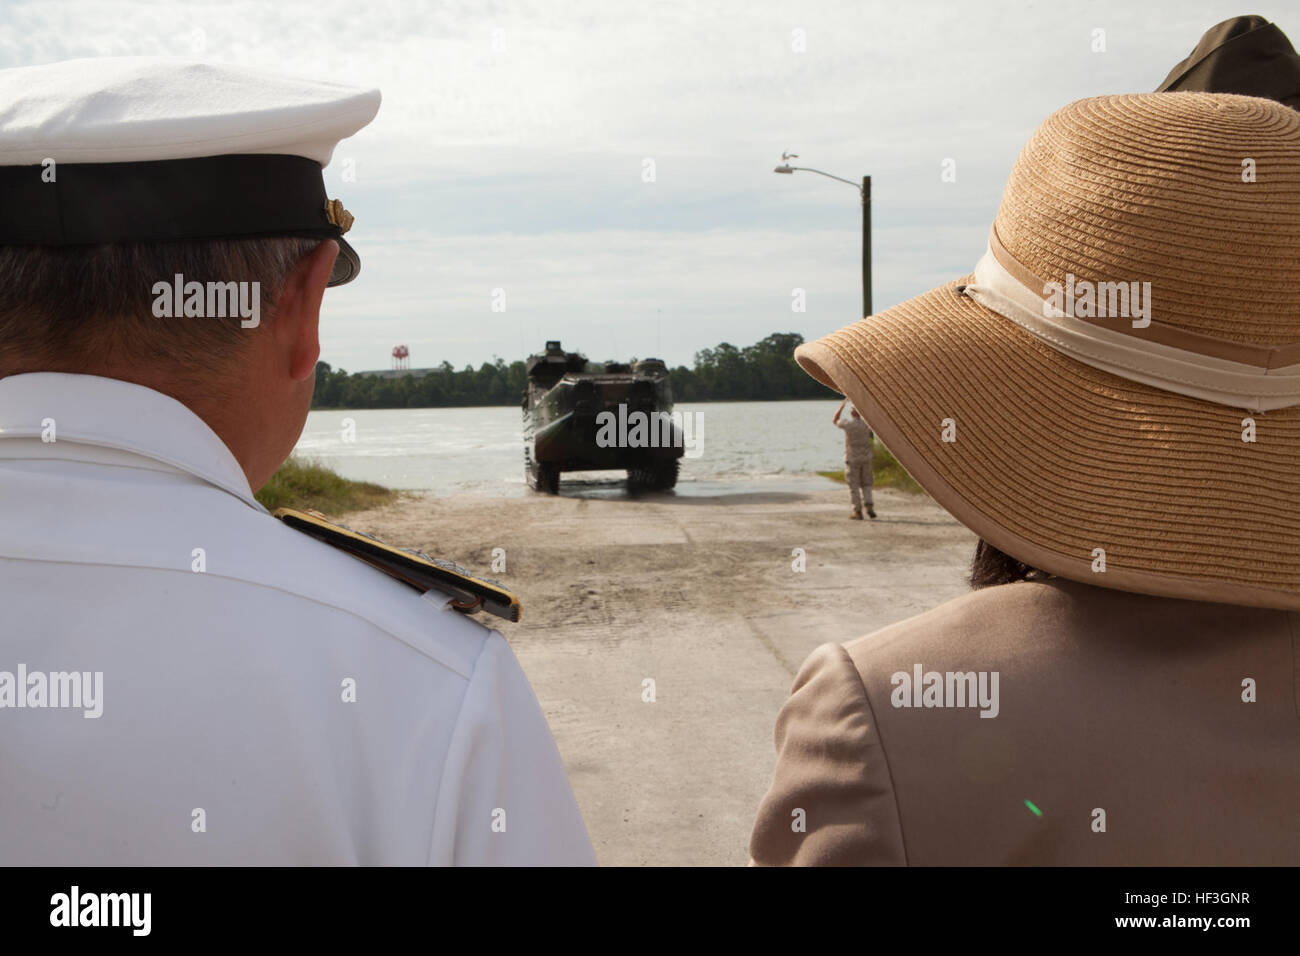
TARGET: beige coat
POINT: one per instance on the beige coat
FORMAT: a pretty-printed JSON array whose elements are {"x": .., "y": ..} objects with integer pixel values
[{"x": 1107, "y": 701}]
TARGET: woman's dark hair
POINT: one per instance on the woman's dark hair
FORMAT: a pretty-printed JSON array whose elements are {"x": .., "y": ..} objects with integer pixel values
[{"x": 991, "y": 567}]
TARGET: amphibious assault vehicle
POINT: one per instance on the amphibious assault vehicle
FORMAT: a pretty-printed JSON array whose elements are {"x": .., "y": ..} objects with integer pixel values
[{"x": 593, "y": 416}]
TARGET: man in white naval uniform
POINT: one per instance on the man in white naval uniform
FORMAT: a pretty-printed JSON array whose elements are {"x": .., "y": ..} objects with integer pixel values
[{"x": 243, "y": 694}]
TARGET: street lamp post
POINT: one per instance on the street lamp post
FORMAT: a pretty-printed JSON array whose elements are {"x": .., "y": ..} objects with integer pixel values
[
  {"x": 866, "y": 245},
  {"x": 864, "y": 193}
]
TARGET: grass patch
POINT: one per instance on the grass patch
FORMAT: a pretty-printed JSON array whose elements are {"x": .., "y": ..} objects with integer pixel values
[
  {"x": 886, "y": 472},
  {"x": 309, "y": 485}
]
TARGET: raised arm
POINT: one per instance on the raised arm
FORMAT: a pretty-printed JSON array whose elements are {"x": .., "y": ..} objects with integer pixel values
[{"x": 835, "y": 419}]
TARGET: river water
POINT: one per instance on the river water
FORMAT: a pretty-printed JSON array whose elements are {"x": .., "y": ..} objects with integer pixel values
[{"x": 746, "y": 446}]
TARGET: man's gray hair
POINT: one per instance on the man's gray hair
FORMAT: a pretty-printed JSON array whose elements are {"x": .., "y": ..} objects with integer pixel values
[{"x": 63, "y": 308}]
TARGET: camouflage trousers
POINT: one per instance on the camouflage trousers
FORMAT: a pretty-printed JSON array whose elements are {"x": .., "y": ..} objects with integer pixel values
[{"x": 857, "y": 474}]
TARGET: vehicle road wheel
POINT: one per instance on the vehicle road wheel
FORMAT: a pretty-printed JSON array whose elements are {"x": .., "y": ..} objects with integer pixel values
[
  {"x": 660, "y": 476},
  {"x": 664, "y": 476},
  {"x": 548, "y": 478}
]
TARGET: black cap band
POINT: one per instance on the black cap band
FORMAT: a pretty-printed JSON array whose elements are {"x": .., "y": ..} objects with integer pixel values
[{"x": 211, "y": 197}]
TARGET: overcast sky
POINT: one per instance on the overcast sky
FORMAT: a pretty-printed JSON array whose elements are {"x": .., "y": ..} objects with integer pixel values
[{"x": 513, "y": 144}]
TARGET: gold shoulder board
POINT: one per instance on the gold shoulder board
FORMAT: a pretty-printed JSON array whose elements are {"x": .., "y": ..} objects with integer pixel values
[{"x": 415, "y": 568}]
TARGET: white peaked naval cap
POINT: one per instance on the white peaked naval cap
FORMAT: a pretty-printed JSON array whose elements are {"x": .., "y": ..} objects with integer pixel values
[{"x": 158, "y": 148}]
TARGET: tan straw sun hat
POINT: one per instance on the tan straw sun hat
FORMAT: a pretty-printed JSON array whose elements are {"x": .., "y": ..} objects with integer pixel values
[{"x": 1117, "y": 386}]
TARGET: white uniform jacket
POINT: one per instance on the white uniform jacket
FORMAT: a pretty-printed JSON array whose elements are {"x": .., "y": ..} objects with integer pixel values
[{"x": 247, "y": 695}]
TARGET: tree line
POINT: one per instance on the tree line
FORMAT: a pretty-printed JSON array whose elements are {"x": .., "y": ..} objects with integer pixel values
[{"x": 763, "y": 371}]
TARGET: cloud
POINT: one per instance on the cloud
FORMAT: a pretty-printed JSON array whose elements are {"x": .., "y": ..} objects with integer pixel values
[{"x": 510, "y": 149}]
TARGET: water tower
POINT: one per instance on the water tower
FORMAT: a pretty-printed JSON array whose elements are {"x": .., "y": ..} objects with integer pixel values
[{"x": 401, "y": 356}]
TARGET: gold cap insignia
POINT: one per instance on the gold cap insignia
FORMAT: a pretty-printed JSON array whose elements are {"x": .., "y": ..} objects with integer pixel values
[{"x": 338, "y": 216}]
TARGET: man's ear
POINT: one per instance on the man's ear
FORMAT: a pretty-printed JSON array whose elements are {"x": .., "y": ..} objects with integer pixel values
[{"x": 296, "y": 324}]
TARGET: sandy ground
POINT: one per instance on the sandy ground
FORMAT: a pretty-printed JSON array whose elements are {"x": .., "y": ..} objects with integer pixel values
[{"x": 699, "y": 595}]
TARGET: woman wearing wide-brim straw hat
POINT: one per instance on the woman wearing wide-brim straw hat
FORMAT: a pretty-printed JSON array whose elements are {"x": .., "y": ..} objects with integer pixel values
[{"x": 1132, "y": 700}]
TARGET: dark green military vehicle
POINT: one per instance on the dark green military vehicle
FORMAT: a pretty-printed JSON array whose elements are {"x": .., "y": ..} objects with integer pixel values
[{"x": 592, "y": 416}]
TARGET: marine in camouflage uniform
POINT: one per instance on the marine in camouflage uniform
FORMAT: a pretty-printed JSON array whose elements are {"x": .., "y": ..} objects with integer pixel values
[{"x": 857, "y": 459}]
